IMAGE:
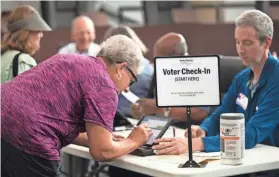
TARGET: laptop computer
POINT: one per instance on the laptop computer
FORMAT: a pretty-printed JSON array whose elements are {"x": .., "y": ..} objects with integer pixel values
[{"x": 158, "y": 125}]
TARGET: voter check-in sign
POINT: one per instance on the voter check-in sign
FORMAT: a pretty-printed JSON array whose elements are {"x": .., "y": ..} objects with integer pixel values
[{"x": 187, "y": 81}]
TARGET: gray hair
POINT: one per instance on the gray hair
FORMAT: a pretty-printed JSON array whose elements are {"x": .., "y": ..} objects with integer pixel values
[
  {"x": 261, "y": 22},
  {"x": 120, "y": 48},
  {"x": 181, "y": 48}
]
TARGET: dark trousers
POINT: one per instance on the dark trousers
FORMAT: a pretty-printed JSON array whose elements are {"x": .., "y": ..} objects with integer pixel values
[{"x": 16, "y": 163}]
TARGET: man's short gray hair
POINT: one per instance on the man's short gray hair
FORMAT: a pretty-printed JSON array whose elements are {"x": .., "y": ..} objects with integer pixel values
[
  {"x": 120, "y": 48},
  {"x": 261, "y": 22}
]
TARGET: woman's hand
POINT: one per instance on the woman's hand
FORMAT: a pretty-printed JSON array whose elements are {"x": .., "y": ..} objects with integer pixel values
[
  {"x": 171, "y": 146},
  {"x": 140, "y": 134}
]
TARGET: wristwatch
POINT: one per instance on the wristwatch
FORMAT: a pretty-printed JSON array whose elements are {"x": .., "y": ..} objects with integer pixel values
[{"x": 167, "y": 112}]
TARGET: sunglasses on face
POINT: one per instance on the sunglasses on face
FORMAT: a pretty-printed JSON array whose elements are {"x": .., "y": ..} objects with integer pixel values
[{"x": 135, "y": 79}]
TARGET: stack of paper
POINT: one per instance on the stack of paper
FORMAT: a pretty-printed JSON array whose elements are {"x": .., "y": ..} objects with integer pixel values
[{"x": 208, "y": 155}]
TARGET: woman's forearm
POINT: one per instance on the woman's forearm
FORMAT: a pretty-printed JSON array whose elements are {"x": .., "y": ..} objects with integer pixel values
[
  {"x": 103, "y": 148},
  {"x": 119, "y": 148},
  {"x": 82, "y": 139}
]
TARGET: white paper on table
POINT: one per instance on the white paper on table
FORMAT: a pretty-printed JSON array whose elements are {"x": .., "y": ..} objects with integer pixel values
[
  {"x": 130, "y": 96},
  {"x": 207, "y": 154}
]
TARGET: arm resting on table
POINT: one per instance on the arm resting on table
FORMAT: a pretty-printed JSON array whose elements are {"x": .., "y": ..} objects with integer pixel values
[
  {"x": 101, "y": 144},
  {"x": 82, "y": 140}
]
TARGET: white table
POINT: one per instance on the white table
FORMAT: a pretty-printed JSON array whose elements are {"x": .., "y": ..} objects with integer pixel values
[{"x": 260, "y": 158}]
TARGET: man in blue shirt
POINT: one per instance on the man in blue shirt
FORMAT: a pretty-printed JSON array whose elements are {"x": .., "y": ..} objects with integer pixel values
[{"x": 258, "y": 86}]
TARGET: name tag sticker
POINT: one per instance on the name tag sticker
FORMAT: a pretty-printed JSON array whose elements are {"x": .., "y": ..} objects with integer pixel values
[{"x": 242, "y": 101}]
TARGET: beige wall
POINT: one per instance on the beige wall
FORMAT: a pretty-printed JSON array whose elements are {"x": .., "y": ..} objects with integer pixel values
[
  {"x": 208, "y": 15},
  {"x": 228, "y": 15}
]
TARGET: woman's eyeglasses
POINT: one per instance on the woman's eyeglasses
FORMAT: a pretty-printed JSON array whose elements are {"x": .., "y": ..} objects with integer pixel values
[{"x": 135, "y": 79}]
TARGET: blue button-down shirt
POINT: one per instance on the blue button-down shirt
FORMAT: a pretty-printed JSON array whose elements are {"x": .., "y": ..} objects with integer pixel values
[{"x": 261, "y": 113}]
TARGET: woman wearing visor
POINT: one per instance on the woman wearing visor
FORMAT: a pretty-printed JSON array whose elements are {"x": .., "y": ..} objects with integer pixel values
[{"x": 25, "y": 27}]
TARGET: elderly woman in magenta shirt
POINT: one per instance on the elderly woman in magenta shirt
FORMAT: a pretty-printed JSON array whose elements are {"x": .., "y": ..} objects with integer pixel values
[{"x": 67, "y": 95}]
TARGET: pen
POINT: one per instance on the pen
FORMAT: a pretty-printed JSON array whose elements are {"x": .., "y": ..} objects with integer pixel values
[{"x": 173, "y": 131}]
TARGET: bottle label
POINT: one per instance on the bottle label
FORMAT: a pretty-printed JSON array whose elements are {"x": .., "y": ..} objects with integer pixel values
[{"x": 232, "y": 142}]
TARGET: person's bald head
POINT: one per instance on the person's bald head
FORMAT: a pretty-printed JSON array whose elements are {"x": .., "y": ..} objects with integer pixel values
[
  {"x": 170, "y": 44},
  {"x": 83, "y": 32}
]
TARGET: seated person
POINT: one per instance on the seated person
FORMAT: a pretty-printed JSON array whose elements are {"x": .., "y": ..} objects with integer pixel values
[
  {"x": 170, "y": 44},
  {"x": 144, "y": 76},
  {"x": 83, "y": 36},
  {"x": 260, "y": 85}
]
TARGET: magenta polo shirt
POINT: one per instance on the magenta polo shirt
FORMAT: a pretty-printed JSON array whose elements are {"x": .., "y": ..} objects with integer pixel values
[{"x": 45, "y": 108}]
